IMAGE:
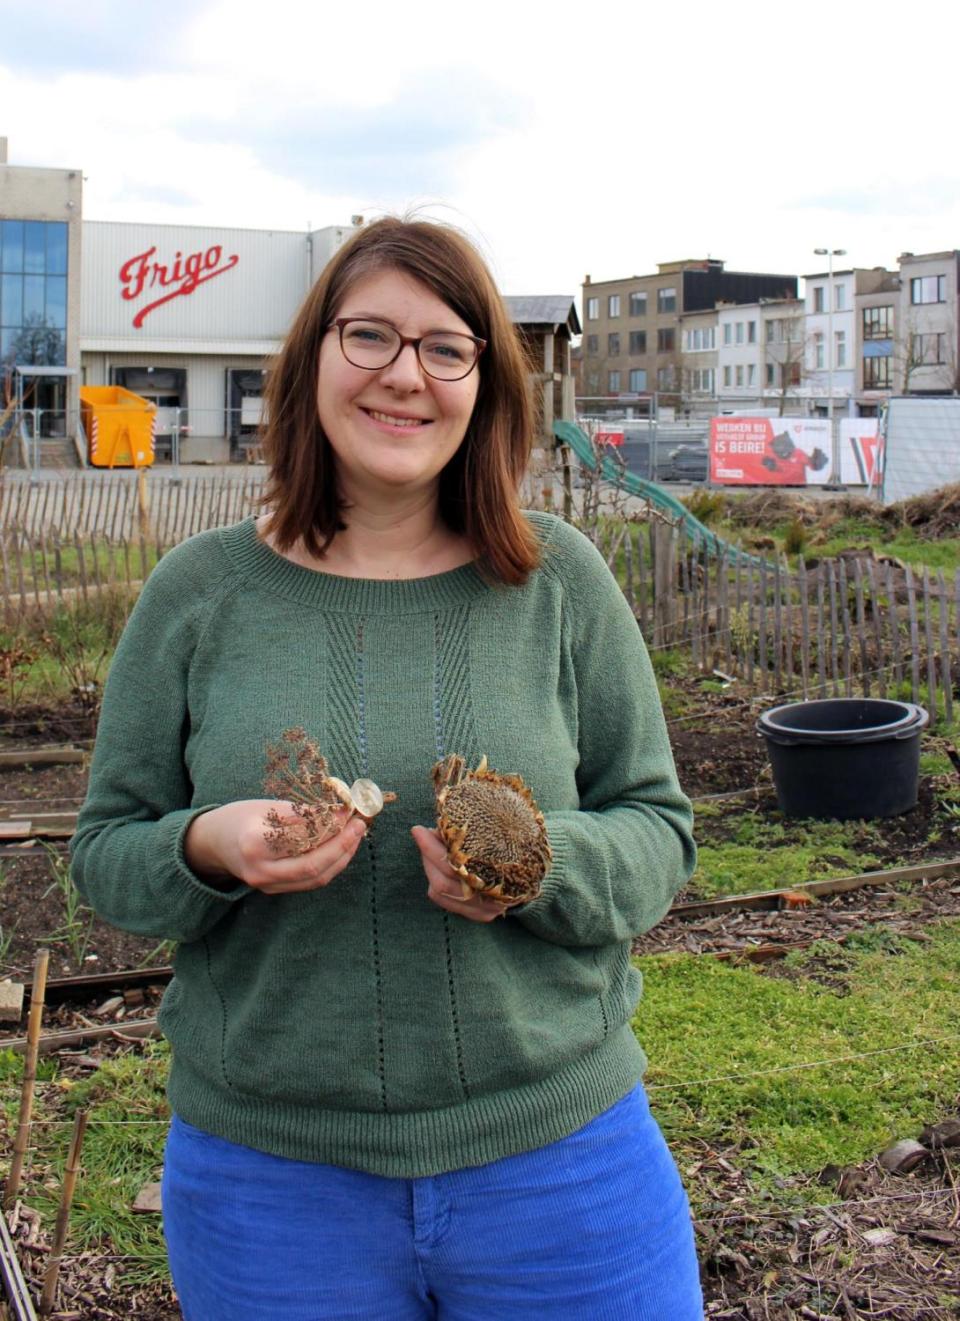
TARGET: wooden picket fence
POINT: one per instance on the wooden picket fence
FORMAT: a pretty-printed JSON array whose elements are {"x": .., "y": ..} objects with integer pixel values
[
  {"x": 44, "y": 573},
  {"x": 128, "y": 504},
  {"x": 850, "y": 625},
  {"x": 853, "y": 625}
]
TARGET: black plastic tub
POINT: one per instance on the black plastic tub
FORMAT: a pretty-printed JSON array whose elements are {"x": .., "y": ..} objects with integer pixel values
[{"x": 845, "y": 758}]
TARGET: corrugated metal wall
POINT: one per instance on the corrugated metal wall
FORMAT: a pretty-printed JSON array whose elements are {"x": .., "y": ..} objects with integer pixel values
[{"x": 254, "y": 298}]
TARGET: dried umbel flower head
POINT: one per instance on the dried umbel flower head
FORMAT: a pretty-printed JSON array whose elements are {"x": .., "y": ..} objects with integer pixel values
[
  {"x": 494, "y": 834},
  {"x": 296, "y": 770}
]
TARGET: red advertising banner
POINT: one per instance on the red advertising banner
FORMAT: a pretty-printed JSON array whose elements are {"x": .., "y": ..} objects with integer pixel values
[
  {"x": 769, "y": 451},
  {"x": 608, "y": 437}
]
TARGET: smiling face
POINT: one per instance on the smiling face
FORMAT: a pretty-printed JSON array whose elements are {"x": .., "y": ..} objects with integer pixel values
[{"x": 394, "y": 429}]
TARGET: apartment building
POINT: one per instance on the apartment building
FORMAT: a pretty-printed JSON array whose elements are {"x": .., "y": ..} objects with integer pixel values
[
  {"x": 877, "y": 322},
  {"x": 926, "y": 348},
  {"x": 743, "y": 354},
  {"x": 739, "y": 354},
  {"x": 830, "y": 326},
  {"x": 632, "y": 326},
  {"x": 698, "y": 349},
  {"x": 783, "y": 336},
  {"x": 833, "y": 337}
]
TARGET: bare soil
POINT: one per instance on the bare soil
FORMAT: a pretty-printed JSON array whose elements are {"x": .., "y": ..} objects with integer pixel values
[
  {"x": 33, "y": 907},
  {"x": 890, "y": 1246}
]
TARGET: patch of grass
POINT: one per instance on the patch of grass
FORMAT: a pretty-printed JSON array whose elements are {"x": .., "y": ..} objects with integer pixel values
[
  {"x": 707, "y": 506},
  {"x": 78, "y": 918},
  {"x": 122, "y": 1150},
  {"x": 64, "y": 653},
  {"x": 668, "y": 663},
  {"x": 933, "y": 762},
  {"x": 769, "y": 852},
  {"x": 702, "y": 1021}
]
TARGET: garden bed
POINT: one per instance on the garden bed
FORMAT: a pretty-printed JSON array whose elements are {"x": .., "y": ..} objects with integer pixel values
[{"x": 774, "y": 1240}]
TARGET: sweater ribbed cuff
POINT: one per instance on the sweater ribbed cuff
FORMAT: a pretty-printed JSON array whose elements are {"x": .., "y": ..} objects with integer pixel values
[
  {"x": 553, "y": 881},
  {"x": 230, "y": 890}
]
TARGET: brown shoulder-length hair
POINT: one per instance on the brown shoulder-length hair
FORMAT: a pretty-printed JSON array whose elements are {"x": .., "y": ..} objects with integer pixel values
[{"x": 479, "y": 486}]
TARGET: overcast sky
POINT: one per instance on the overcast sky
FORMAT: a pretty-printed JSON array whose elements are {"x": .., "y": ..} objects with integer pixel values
[{"x": 566, "y": 138}]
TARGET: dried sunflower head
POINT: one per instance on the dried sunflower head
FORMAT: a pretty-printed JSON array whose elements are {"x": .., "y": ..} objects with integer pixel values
[{"x": 494, "y": 833}]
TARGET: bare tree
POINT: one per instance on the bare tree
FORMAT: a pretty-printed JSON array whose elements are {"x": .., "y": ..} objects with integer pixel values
[
  {"x": 928, "y": 347},
  {"x": 788, "y": 352}
]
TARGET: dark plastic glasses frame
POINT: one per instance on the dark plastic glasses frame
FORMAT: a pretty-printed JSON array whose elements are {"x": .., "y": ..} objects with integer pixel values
[{"x": 340, "y": 322}]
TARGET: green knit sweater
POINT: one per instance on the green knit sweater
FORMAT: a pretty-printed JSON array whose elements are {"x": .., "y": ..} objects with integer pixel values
[{"x": 359, "y": 1024}]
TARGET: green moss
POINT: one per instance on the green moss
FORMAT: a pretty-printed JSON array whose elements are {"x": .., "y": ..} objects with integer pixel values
[
  {"x": 768, "y": 852},
  {"x": 725, "y": 1041}
]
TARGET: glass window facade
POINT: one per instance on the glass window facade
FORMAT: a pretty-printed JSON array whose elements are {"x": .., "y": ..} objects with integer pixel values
[{"x": 33, "y": 292}]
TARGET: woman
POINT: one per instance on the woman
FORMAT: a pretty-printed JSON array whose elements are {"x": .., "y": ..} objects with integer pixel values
[{"x": 387, "y": 1103}]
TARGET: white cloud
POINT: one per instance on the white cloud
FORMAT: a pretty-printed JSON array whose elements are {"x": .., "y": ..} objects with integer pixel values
[{"x": 568, "y": 140}]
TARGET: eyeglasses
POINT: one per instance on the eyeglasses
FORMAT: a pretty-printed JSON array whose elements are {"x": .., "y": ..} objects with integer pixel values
[{"x": 373, "y": 345}]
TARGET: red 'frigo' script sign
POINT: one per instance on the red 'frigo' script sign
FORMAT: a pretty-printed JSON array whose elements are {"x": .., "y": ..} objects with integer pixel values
[{"x": 183, "y": 277}]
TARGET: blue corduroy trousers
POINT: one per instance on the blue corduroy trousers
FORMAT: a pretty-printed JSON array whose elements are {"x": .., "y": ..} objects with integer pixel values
[{"x": 594, "y": 1227}]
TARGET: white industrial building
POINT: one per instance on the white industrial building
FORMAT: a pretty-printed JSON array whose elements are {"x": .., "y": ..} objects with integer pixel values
[{"x": 188, "y": 316}]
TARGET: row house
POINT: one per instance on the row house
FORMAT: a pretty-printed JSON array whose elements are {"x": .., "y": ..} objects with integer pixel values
[
  {"x": 894, "y": 332},
  {"x": 928, "y": 345},
  {"x": 741, "y": 354},
  {"x": 707, "y": 338},
  {"x": 844, "y": 325},
  {"x": 632, "y": 326}
]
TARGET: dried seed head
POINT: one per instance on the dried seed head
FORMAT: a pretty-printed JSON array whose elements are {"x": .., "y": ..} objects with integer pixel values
[
  {"x": 296, "y": 770},
  {"x": 494, "y": 833}
]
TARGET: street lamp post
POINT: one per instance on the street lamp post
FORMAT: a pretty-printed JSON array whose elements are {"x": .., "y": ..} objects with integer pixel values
[{"x": 830, "y": 253}]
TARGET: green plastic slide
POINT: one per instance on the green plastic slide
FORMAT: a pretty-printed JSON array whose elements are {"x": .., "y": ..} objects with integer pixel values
[{"x": 568, "y": 433}]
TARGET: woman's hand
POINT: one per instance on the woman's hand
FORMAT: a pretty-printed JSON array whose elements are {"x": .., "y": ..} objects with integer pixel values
[
  {"x": 229, "y": 842},
  {"x": 444, "y": 887}
]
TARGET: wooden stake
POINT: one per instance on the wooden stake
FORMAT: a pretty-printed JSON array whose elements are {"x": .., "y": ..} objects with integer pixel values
[
  {"x": 861, "y": 629},
  {"x": 878, "y": 625},
  {"x": 37, "y": 993},
  {"x": 143, "y": 503},
  {"x": 914, "y": 637},
  {"x": 804, "y": 626},
  {"x": 928, "y": 634},
  {"x": 821, "y": 638},
  {"x": 946, "y": 678},
  {"x": 63, "y": 1214}
]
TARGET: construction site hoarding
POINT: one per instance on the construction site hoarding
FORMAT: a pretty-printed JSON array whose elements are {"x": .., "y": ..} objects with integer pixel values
[
  {"x": 859, "y": 451},
  {"x": 921, "y": 445},
  {"x": 769, "y": 451}
]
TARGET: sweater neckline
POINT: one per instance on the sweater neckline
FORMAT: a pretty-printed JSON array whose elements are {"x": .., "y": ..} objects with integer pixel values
[{"x": 272, "y": 572}]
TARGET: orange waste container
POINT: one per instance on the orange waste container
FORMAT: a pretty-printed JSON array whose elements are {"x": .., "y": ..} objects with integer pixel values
[{"x": 119, "y": 426}]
